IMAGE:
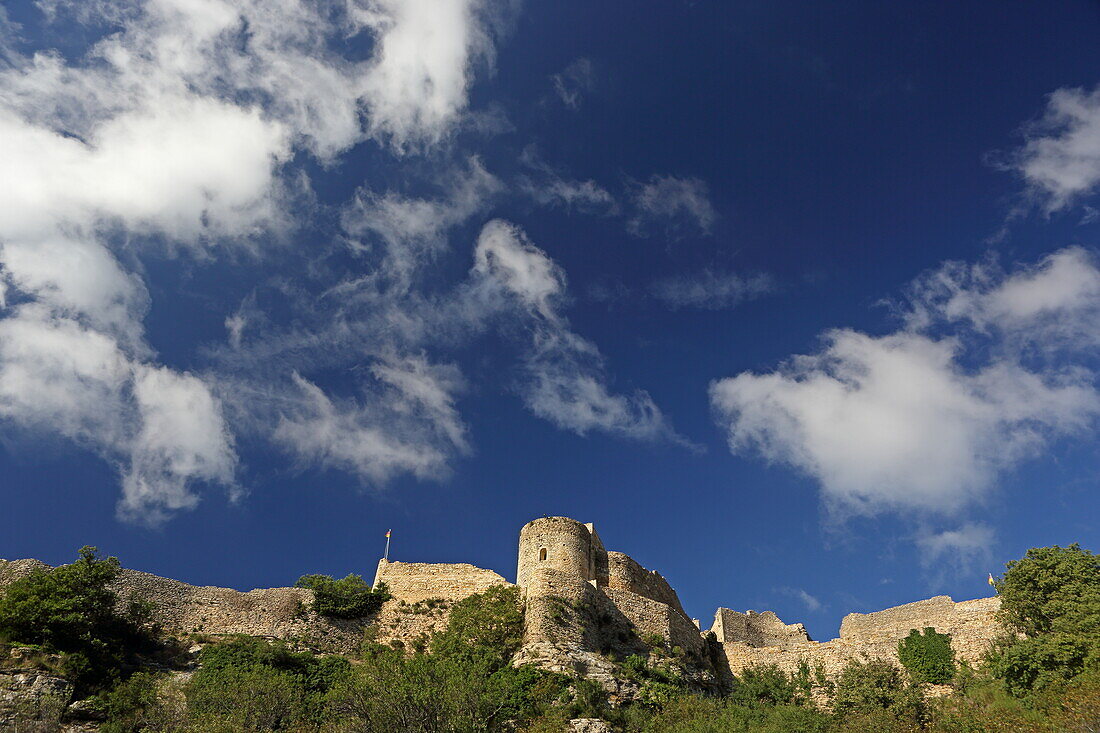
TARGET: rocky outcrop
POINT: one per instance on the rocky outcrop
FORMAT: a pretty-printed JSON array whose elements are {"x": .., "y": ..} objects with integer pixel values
[{"x": 32, "y": 700}]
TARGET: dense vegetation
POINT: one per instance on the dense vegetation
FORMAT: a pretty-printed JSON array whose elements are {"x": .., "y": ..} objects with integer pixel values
[
  {"x": 927, "y": 656},
  {"x": 348, "y": 597},
  {"x": 71, "y": 611},
  {"x": 1042, "y": 677}
]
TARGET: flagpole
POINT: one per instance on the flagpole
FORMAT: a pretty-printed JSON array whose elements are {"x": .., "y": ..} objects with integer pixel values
[{"x": 386, "y": 557}]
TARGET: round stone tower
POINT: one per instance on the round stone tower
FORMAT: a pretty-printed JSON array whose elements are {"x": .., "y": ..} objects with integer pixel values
[{"x": 562, "y": 546}]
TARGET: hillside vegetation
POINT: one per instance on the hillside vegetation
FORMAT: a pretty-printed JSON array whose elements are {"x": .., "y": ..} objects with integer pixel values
[{"x": 1043, "y": 675}]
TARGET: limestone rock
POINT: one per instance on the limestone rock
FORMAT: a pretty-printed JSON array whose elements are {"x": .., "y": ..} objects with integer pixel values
[{"x": 32, "y": 699}]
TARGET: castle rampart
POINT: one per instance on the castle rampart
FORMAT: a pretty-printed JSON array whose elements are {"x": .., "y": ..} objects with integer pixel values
[
  {"x": 418, "y": 581},
  {"x": 583, "y": 606}
]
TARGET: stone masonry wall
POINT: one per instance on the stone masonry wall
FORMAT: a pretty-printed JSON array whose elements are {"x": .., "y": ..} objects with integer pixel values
[
  {"x": 418, "y": 581},
  {"x": 756, "y": 629},
  {"x": 626, "y": 574},
  {"x": 283, "y": 613},
  {"x": 972, "y": 625}
]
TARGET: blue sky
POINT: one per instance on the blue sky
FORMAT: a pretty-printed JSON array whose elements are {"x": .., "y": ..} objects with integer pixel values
[{"x": 797, "y": 304}]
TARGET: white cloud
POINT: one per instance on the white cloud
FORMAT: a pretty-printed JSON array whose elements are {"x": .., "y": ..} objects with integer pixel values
[
  {"x": 573, "y": 82},
  {"x": 908, "y": 421},
  {"x": 182, "y": 439},
  {"x": 407, "y": 425},
  {"x": 548, "y": 188},
  {"x": 711, "y": 290},
  {"x": 673, "y": 204},
  {"x": 417, "y": 83},
  {"x": 163, "y": 429},
  {"x": 413, "y": 230},
  {"x": 565, "y": 380},
  {"x": 811, "y": 602},
  {"x": 171, "y": 130},
  {"x": 958, "y": 551},
  {"x": 1055, "y": 302},
  {"x": 1060, "y": 162}
]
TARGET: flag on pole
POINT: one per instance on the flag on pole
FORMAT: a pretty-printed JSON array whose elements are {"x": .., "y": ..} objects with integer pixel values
[
  {"x": 390, "y": 530},
  {"x": 991, "y": 580}
]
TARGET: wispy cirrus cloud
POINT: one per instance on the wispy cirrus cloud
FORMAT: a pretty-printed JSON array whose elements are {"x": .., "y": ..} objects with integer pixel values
[
  {"x": 711, "y": 290},
  {"x": 574, "y": 81},
  {"x": 671, "y": 204}
]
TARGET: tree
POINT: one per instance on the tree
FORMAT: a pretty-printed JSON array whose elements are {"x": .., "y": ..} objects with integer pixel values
[
  {"x": 349, "y": 597},
  {"x": 928, "y": 657},
  {"x": 71, "y": 609},
  {"x": 1052, "y": 589},
  {"x": 1050, "y": 601}
]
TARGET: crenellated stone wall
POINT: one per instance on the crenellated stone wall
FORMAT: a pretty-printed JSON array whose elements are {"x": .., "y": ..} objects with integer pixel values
[{"x": 423, "y": 595}]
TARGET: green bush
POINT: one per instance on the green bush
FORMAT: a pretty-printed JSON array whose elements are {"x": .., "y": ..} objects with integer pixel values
[
  {"x": 763, "y": 685},
  {"x": 349, "y": 597},
  {"x": 485, "y": 625},
  {"x": 928, "y": 656},
  {"x": 143, "y": 703},
  {"x": 251, "y": 684},
  {"x": 867, "y": 688},
  {"x": 71, "y": 610}
]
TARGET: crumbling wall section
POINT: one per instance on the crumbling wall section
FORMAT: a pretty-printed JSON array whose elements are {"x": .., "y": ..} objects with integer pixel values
[
  {"x": 972, "y": 626},
  {"x": 756, "y": 629},
  {"x": 626, "y": 574}
]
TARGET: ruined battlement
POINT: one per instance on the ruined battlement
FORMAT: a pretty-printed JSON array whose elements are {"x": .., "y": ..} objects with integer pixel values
[
  {"x": 583, "y": 606},
  {"x": 756, "y": 629}
]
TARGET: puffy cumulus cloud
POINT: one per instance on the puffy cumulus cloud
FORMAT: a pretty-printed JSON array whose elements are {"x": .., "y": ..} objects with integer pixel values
[
  {"x": 416, "y": 86},
  {"x": 1060, "y": 160},
  {"x": 406, "y": 424},
  {"x": 172, "y": 129},
  {"x": 917, "y": 420},
  {"x": 182, "y": 438},
  {"x": 672, "y": 204},
  {"x": 711, "y": 290},
  {"x": 565, "y": 380},
  {"x": 164, "y": 429},
  {"x": 574, "y": 81}
]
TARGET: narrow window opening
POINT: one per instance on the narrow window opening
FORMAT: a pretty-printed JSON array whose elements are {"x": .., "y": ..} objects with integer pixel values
[{"x": 542, "y": 554}]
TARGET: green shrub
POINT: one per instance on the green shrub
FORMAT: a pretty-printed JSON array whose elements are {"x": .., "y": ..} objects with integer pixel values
[
  {"x": 866, "y": 688},
  {"x": 762, "y": 685},
  {"x": 927, "y": 656},
  {"x": 71, "y": 610},
  {"x": 349, "y": 597},
  {"x": 485, "y": 625},
  {"x": 251, "y": 684},
  {"x": 143, "y": 703}
]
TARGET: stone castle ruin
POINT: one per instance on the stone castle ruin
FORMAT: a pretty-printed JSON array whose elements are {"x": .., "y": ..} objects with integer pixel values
[{"x": 584, "y": 608}]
